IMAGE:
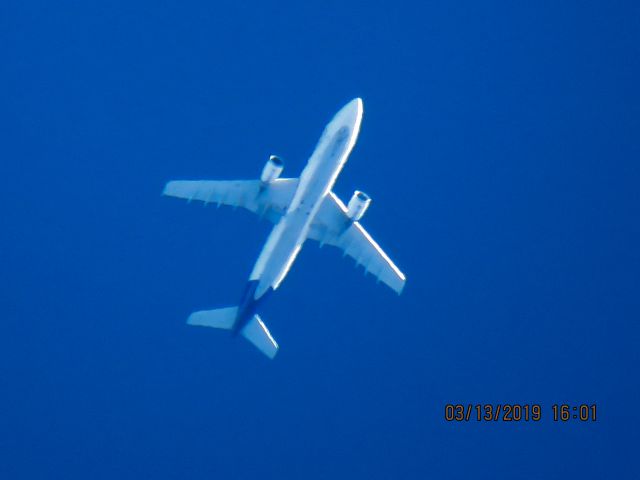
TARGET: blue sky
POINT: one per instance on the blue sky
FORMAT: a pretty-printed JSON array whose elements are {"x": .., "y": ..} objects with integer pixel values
[{"x": 500, "y": 147}]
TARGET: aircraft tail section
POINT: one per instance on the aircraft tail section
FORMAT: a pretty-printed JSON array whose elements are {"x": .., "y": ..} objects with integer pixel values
[
  {"x": 257, "y": 333},
  {"x": 255, "y": 330},
  {"x": 219, "y": 318}
]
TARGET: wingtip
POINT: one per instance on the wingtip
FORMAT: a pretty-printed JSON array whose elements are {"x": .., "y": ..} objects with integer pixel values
[{"x": 165, "y": 190}]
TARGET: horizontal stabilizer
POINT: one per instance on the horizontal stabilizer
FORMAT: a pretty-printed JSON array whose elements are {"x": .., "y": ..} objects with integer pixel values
[
  {"x": 257, "y": 333},
  {"x": 219, "y": 318}
]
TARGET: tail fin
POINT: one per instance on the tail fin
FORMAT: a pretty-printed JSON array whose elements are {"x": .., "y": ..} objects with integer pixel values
[
  {"x": 219, "y": 318},
  {"x": 255, "y": 330}
]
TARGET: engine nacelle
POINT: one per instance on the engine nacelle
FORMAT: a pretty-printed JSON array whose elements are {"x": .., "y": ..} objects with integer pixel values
[
  {"x": 272, "y": 169},
  {"x": 358, "y": 205}
]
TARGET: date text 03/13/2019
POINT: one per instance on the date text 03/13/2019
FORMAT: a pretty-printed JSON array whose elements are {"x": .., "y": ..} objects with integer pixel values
[{"x": 514, "y": 412}]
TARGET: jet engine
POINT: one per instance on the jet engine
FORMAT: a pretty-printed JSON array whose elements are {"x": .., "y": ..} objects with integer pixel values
[
  {"x": 358, "y": 205},
  {"x": 272, "y": 169}
]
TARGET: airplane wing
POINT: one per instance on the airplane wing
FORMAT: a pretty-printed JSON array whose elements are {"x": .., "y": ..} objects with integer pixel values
[
  {"x": 270, "y": 200},
  {"x": 331, "y": 226}
]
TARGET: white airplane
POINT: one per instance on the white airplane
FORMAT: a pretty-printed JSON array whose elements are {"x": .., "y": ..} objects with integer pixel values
[{"x": 301, "y": 208}]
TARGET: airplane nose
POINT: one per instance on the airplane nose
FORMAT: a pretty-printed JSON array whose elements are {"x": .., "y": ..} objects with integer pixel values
[
  {"x": 354, "y": 107},
  {"x": 351, "y": 113}
]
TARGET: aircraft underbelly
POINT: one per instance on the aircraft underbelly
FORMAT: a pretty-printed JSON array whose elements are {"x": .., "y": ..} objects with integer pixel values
[
  {"x": 286, "y": 239},
  {"x": 303, "y": 207},
  {"x": 280, "y": 251}
]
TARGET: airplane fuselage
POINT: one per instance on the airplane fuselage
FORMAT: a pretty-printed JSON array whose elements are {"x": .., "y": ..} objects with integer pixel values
[
  {"x": 300, "y": 208},
  {"x": 288, "y": 236}
]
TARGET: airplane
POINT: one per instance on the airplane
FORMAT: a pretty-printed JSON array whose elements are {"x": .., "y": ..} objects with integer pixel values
[{"x": 301, "y": 208}]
